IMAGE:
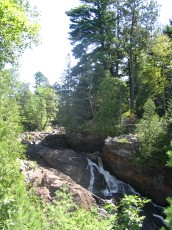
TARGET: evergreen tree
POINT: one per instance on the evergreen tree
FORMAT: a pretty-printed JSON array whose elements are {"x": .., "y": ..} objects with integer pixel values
[
  {"x": 47, "y": 106},
  {"x": 168, "y": 29},
  {"x": 92, "y": 34},
  {"x": 40, "y": 80},
  {"x": 106, "y": 38},
  {"x": 93, "y": 25},
  {"x": 112, "y": 94}
]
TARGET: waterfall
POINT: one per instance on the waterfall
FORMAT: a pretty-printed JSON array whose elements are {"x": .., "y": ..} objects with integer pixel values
[
  {"x": 113, "y": 185},
  {"x": 91, "y": 166},
  {"x": 116, "y": 187}
]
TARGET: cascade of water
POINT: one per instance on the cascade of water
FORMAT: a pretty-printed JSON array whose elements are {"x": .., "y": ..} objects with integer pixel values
[
  {"x": 113, "y": 185},
  {"x": 91, "y": 166}
]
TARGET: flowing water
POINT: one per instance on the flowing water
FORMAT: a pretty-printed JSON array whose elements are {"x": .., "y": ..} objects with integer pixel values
[{"x": 114, "y": 187}]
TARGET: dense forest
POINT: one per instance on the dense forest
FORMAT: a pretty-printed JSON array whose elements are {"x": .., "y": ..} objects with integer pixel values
[{"x": 122, "y": 83}]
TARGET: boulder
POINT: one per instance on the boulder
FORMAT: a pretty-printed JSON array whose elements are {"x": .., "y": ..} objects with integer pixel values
[
  {"x": 47, "y": 181},
  {"x": 84, "y": 142},
  {"x": 55, "y": 141},
  {"x": 151, "y": 182},
  {"x": 68, "y": 162}
]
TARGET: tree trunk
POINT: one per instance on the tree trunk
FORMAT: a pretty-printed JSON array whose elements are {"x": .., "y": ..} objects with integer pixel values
[{"x": 131, "y": 82}]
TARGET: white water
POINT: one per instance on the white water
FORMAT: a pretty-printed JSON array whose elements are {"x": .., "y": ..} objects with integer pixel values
[
  {"x": 113, "y": 185},
  {"x": 91, "y": 166}
]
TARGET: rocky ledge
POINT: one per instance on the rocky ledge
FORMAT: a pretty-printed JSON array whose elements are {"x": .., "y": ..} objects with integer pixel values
[
  {"x": 117, "y": 155},
  {"x": 47, "y": 181}
]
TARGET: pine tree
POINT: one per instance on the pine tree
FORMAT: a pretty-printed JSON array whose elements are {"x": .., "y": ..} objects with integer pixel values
[{"x": 168, "y": 29}]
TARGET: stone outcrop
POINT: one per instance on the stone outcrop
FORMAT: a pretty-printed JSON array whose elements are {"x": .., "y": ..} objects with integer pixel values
[
  {"x": 150, "y": 182},
  {"x": 57, "y": 140},
  {"x": 47, "y": 181},
  {"x": 68, "y": 162},
  {"x": 84, "y": 142}
]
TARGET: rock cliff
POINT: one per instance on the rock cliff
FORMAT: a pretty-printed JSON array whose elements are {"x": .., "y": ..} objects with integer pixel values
[{"x": 151, "y": 182}]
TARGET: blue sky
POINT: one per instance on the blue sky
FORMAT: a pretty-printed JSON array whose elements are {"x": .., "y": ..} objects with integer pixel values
[{"x": 50, "y": 56}]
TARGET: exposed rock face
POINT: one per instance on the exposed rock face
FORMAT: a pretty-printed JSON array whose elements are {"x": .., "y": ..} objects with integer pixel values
[
  {"x": 84, "y": 142},
  {"x": 55, "y": 141},
  {"x": 47, "y": 182},
  {"x": 76, "y": 141},
  {"x": 68, "y": 162},
  {"x": 117, "y": 156}
]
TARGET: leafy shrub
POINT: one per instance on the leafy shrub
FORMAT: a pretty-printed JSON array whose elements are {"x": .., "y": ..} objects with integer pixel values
[
  {"x": 152, "y": 134},
  {"x": 127, "y": 213},
  {"x": 168, "y": 210},
  {"x": 64, "y": 214},
  {"x": 168, "y": 118},
  {"x": 169, "y": 153}
]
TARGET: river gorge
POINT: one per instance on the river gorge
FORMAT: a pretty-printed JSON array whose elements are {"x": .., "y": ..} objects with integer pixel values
[{"x": 79, "y": 161}]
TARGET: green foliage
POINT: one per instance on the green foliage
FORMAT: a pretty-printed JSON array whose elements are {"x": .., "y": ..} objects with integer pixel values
[
  {"x": 123, "y": 140},
  {"x": 169, "y": 153},
  {"x": 130, "y": 207},
  {"x": 92, "y": 26},
  {"x": 168, "y": 210},
  {"x": 19, "y": 28},
  {"x": 39, "y": 109},
  {"x": 28, "y": 103},
  {"x": 168, "y": 29},
  {"x": 152, "y": 134},
  {"x": 76, "y": 105},
  {"x": 111, "y": 103},
  {"x": 14, "y": 202},
  {"x": 64, "y": 214},
  {"x": 106, "y": 37},
  {"x": 127, "y": 213},
  {"x": 153, "y": 77},
  {"x": 20, "y": 208},
  {"x": 168, "y": 117},
  {"x": 47, "y": 105},
  {"x": 40, "y": 80}
]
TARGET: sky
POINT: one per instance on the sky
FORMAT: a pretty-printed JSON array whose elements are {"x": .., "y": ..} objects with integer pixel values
[{"x": 50, "y": 56}]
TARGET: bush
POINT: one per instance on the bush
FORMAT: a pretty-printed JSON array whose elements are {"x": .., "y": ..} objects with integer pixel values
[
  {"x": 152, "y": 134},
  {"x": 168, "y": 210},
  {"x": 64, "y": 214},
  {"x": 127, "y": 213}
]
